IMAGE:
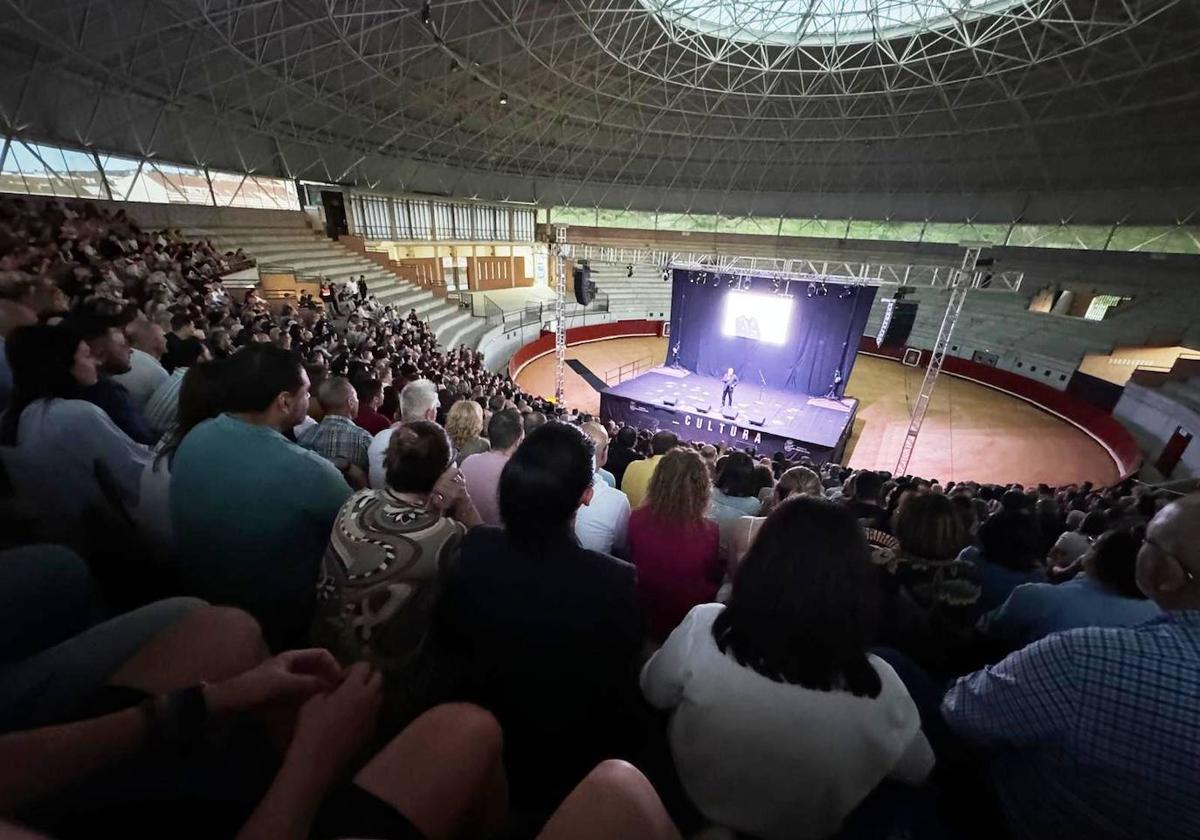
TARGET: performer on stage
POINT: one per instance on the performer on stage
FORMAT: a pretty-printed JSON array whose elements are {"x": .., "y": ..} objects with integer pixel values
[{"x": 730, "y": 381}]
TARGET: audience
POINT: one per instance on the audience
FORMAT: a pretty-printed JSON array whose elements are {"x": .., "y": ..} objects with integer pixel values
[
  {"x": 637, "y": 475},
  {"x": 671, "y": 543},
  {"x": 1092, "y": 732},
  {"x": 603, "y": 523},
  {"x": 337, "y": 438},
  {"x": 622, "y": 453},
  {"x": 734, "y": 495},
  {"x": 145, "y": 372},
  {"x": 549, "y": 630},
  {"x": 482, "y": 471},
  {"x": 783, "y": 721},
  {"x": 250, "y": 511},
  {"x": 1008, "y": 555},
  {"x": 418, "y": 401},
  {"x": 112, "y": 355},
  {"x": 162, "y": 409},
  {"x": 799, "y": 481},
  {"x": 370, "y": 398},
  {"x": 464, "y": 425}
]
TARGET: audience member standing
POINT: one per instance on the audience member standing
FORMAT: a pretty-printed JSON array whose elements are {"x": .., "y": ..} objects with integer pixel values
[
  {"x": 370, "y": 398},
  {"x": 146, "y": 372},
  {"x": 418, "y": 401},
  {"x": 637, "y": 475},
  {"x": 252, "y": 511},
  {"x": 550, "y": 630},
  {"x": 482, "y": 471},
  {"x": 782, "y": 722},
  {"x": 603, "y": 523},
  {"x": 1095, "y": 732},
  {"x": 671, "y": 543},
  {"x": 337, "y": 438},
  {"x": 464, "y": 425}
]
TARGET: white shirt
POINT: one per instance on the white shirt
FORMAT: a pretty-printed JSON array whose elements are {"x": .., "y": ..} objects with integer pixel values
[
  {"x": 772, "y": 759},
  {"x": 602, "y": 525},
  {"x": 376, "y": 475},
  {"x": 162, "y": 409},
  {"x": 143, "y": 378},
  {"x": 59, "y": 444},
  {"x": 302, "y": 425},
  {"x": 1073, "y": 545}
]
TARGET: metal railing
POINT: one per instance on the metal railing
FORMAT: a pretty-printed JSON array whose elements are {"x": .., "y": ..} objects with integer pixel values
[
  {"x": 617, "y": 375},
  {"x": 538, "y": 312}
]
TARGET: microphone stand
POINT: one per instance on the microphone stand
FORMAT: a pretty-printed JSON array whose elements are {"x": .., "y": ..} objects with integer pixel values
[{"x": 762, "y": 386}]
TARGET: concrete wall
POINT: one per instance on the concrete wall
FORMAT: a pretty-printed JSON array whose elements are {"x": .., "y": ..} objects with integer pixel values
[{"x": 1152, "y": 417}]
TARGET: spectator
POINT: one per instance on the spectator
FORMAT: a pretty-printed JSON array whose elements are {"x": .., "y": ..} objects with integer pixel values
[
  {"x": 671, "y": 543},
  {"x": 12, "y": 316},
  {"x": 782, "y": 722},
  {"x": 1069, "y": 548},
  {"x": 549, "y": 630},
  {"x": 183, "y": 330},
  {"x": 533, "y": 421},
  {"x": 1105, "y": 595},
  {"x": 1092, "y": 732},
  {"x": 799, "y": 481},
  {"x": 370, "y": 398},
  {"x": 464, "y": 425},
  {"x": 145, "y": 373},
  {"x": 1008, "y": 555},
  {"x": 57, "y": 439},
  {"x": 637, "y": 473},
  {"x": 603, "y": 523},
  {"x": 162, "y": 409},
  {"x": 251, "y": 512},
  {"x": 418, "y": 401},
  {"x": 482, "y": 471},
  {"x": 735, "y": 495},
  {"x": 868, "y": 486},
  {"x": 387, "y": 549},
  {"x": 112, "y": 355},
  {"x": 622, "y": 453},
  {"x": 337, "y": 438}
]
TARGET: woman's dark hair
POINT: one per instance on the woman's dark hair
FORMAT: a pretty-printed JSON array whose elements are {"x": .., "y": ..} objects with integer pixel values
[
  {"x": 257, "y": 374},
  {"x": 201, "y": 397},
  {"x": 928, "y": 526},
  {"x": 417, "y": 455},
  {"x": 804, "y": 601},
  {"x": 736, "y": 475},
  {"x": 391, "y": 402},
  {"x": 1112, "y": 560},
  {"x": 1012, "y": 540},
  {"x": 542, "y": 482},
  {"x": 41, "y": 359}
]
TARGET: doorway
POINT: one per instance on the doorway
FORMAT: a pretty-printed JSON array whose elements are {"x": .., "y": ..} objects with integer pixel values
[{"x": 335, "y": 214}]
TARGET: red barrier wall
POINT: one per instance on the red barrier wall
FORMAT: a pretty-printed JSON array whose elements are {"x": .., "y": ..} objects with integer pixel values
[
  {"x": 1102, "y": 427},
  {"x": 544, "y": 343}
]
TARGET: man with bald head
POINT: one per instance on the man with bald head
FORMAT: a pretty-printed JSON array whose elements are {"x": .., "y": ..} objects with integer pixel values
[
  {"x": 146, "y": 374},
  {"x": 1095, "y": 732},
  {"x": 337, "y": 438},
  {"x": 603, "y": 523}
]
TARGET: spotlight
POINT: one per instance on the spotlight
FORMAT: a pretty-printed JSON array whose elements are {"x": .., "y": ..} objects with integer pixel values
[
  {"x": 629, "y": 271},
  {"x": 427, "y": 13},
  {"x": 504, "y": 99},
  {"x": 823, "y": 290},
  {"x": 847, "y": 291},
  {"x": 812, "y": 289},
  {"x": 666, "y": 275}
]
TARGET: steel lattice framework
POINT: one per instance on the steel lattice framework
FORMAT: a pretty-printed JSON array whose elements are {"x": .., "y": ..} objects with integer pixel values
[{"x": 690, "y": 105}]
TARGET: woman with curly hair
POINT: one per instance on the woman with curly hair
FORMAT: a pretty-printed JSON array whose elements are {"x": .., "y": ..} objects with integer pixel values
[
  {"x": 464, "y": 424},
  {"x": 672, "y": 544}
]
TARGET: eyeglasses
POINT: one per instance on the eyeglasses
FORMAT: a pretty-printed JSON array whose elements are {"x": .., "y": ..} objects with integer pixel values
[{"x": 1186, "y": 571}]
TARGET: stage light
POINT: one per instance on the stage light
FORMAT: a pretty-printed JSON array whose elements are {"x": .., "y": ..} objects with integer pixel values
[
  {"x": 847, "y": 291},
  {"x": 822, "y": 290},
  {"x": 427, "y": 13},
  {"x": 666, "y": 275},
  {"x": 629, "y": 271},
  {"x": 504, "y": 99},
  {"x": 812, "y": 289}
]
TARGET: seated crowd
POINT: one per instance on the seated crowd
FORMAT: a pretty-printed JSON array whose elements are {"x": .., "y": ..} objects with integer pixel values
[{"x": 303, "y": 574}]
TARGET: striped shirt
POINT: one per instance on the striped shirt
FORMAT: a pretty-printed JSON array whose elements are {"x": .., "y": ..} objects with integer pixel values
[
  {"x": 1094, "y": 732},
  {"x": 162, "y": 409}
]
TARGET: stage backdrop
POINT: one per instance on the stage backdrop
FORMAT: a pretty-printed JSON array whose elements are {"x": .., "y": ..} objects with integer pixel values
[{"x": 757, "y": 325}]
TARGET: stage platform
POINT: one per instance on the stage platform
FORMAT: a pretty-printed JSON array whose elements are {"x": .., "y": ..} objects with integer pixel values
[{"x": 792, "y": 423}]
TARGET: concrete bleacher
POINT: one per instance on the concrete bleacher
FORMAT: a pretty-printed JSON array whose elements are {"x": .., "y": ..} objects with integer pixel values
[
  {"x": 645, "y": 295},
  {"x": 286, "y": 240}
]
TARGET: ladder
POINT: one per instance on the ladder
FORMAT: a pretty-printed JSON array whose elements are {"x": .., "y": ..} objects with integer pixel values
[{"x": 959, "y": 284}]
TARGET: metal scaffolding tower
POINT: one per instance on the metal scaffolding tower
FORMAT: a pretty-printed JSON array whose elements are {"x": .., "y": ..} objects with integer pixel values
[
  {"x": 560, "y": 313},
  {"x": 961, "y": 282}
]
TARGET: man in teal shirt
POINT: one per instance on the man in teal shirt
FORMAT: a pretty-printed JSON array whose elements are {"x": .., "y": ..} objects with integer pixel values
[{"x": 251, "y": 510}]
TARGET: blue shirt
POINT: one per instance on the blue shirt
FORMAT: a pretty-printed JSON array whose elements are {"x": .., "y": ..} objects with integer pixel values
[
  {"x": 252, "y": 513},
  {"x": 1034, "y": 610},
  {"x": 1093, "y": 733},
  {"x": 996, "y": 582}
]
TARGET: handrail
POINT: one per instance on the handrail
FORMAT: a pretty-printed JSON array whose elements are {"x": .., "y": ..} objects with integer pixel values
[
  {"x": 627, "y": 370},
  {"x": 538, "y": 312}
]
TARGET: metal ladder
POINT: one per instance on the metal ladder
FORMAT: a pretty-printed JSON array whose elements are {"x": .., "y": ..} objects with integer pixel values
[{"x": 962, "y": 281}]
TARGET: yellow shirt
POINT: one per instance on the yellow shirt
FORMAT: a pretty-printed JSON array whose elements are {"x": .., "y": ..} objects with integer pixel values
[{"x": 637, "y": 479}]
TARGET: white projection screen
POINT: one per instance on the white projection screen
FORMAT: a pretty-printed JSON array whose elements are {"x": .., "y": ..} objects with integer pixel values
[{"x": 764, "y": 318}]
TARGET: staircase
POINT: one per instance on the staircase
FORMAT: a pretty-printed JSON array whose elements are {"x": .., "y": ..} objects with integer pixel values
[{"x": 291, "y": 243}]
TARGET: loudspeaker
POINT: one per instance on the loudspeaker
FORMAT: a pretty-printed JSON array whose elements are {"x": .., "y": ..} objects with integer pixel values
[
  {"x": 703, "y": 407},
  {"x": 759, "y": 420},
  {"x": 585, "y": 289},
  {"x": 729, "y": 413},
  {"x": 897, "y": 323},
  {"x": 670, "y": 400}
]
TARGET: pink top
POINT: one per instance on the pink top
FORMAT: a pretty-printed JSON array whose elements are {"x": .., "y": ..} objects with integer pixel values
[
  {"x": 677, "y": 567},
  {"x": 482, "y": 474}
]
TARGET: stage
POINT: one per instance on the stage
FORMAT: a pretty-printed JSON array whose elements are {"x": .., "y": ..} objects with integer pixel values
[{"x": 792, "y": 423}]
